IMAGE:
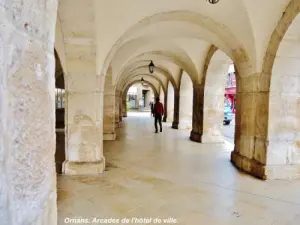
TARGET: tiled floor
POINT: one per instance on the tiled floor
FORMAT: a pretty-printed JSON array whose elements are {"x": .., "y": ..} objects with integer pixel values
[{"x": 165, "y": 175}]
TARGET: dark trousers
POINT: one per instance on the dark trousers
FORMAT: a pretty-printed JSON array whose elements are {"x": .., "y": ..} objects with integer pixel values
[{"x": 157, "y": 119}]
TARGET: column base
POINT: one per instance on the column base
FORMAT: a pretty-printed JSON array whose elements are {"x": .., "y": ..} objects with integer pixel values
[
  {"x": 84, "y": 168},
  {"x": 117, "y": 125},
  {"x": 195, "y": 136},
  {"x": 249, "y": 166},
  {"x": 109, "y": 137},
  {"x": 265, "y": 172},
  {"x": 175, "y": 125}
]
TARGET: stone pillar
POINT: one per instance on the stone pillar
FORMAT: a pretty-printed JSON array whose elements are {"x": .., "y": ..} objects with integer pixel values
[
  {"x": 213, "y": 110},
  {"x": 109, "y": 132},
  {"x": 251, "y": 142},
  {"x": 165, "y": 107},
  {"x": 117, "y": 111},
  {"x": 27, "y": 113},
  {"x": 124, "y": 105},
  {"x": 120, "y": 108},
  {"x": 85, "y": 125},
  {"x": 170, "y": 106},
  {"x": 176, "y": 110},
  {"x": 198, "y": 102},
  {"x": 186, "y": 102}
]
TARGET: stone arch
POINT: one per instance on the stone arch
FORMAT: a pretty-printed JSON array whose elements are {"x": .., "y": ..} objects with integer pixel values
[
  {"x": 156, "y": 51},
  {"x": 127, "y": 86},
  {"x": 152, "y": 77},
  {"x": 283, "y": 25},
  {"x": 59, "y": 44},
  {"x": 125, "y": 89},
  {"x": 227, "y": 40},
  {"x": 280, "y": 123},
  {"x": 143, "y": 69}
]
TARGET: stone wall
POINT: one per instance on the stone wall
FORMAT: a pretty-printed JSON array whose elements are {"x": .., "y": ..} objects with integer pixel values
[{"x": 170, "y": 105}]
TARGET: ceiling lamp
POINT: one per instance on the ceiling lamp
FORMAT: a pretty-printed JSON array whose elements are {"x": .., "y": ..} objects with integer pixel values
[
  {"x": 142, "y": 81},
  {"x": 151, "y": 67},
  {"x": 213, "y": 1}
]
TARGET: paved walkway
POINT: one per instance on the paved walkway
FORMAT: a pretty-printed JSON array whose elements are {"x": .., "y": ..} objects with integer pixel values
[
  {"x": 228, "y": 131},
  {"x": 167, "y": 176}
]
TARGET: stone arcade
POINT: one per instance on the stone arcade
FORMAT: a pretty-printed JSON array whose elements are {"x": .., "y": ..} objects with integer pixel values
[{"x": 95, "y": 50}]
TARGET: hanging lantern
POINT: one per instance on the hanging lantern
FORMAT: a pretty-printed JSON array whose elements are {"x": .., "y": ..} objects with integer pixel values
[
  {"x": 213, "y": 1},
  {"x": 142, "y": 81},
  {"x": 151, "y": 67}
]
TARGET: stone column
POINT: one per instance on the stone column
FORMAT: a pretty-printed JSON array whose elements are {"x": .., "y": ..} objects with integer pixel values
[
  {"x": 120, "y": 108},
  {"x": 186, "y": 102},
  {"x": 124, "y": 105},
  {"x": 27, "y": 113},
  {"x": 165, "y": 107},
  {"x": 117, "y": 111},
  {"x": 109, "y": 132},
  {"x": 85, "y": 125},
  {"x": 170, "y": 105},
  {"x": 251, "y": 143},
  {"x": 198, "y": 98},
  {"x": 176, "y": 110},
  {"x": 213, "y": 110}
]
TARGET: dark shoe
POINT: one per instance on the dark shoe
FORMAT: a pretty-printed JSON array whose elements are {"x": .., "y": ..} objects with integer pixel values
[
  {"x": 156, "y": 131},
  {"x": 160, "y": 130}
]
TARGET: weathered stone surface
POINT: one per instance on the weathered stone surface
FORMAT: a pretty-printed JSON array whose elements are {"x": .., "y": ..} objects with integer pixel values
[
  {"x": 198, "y": 97},
  {"x": 84, "y": 168},
  {"x": 208, "y": 105},
  {"x": 109, "y": 110},
  {"x": 27, "y": 112},
  {"x": 84, "y": 127},
  {"x": 170, "y": 105},
  {"x": 124, "y": 105},
  {"x": 248, "y": 165},
  {"x": 117, "y": 109},
  {"x": 186, "y": 102}
]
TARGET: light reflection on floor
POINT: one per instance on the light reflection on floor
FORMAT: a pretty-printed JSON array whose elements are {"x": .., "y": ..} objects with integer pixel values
[{"x": 166, "y": 175}]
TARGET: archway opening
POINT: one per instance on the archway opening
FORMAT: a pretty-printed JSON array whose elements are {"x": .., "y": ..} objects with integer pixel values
[
  {"x": 216, "y": 112},
  {"x": 59, "y": 114},
  {"x": 139, "y": 98},
  {"x": 229, "y": 105}
]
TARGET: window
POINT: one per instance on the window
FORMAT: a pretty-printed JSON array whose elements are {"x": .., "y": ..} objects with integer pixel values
[{"x": 59, "y": 98}]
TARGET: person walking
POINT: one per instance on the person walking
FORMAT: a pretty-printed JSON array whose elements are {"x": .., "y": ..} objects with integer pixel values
[{"x": 158, "y": 113}]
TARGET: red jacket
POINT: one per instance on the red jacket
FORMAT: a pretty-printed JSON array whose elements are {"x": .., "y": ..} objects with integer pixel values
[{"x": 158, "y": 109}]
